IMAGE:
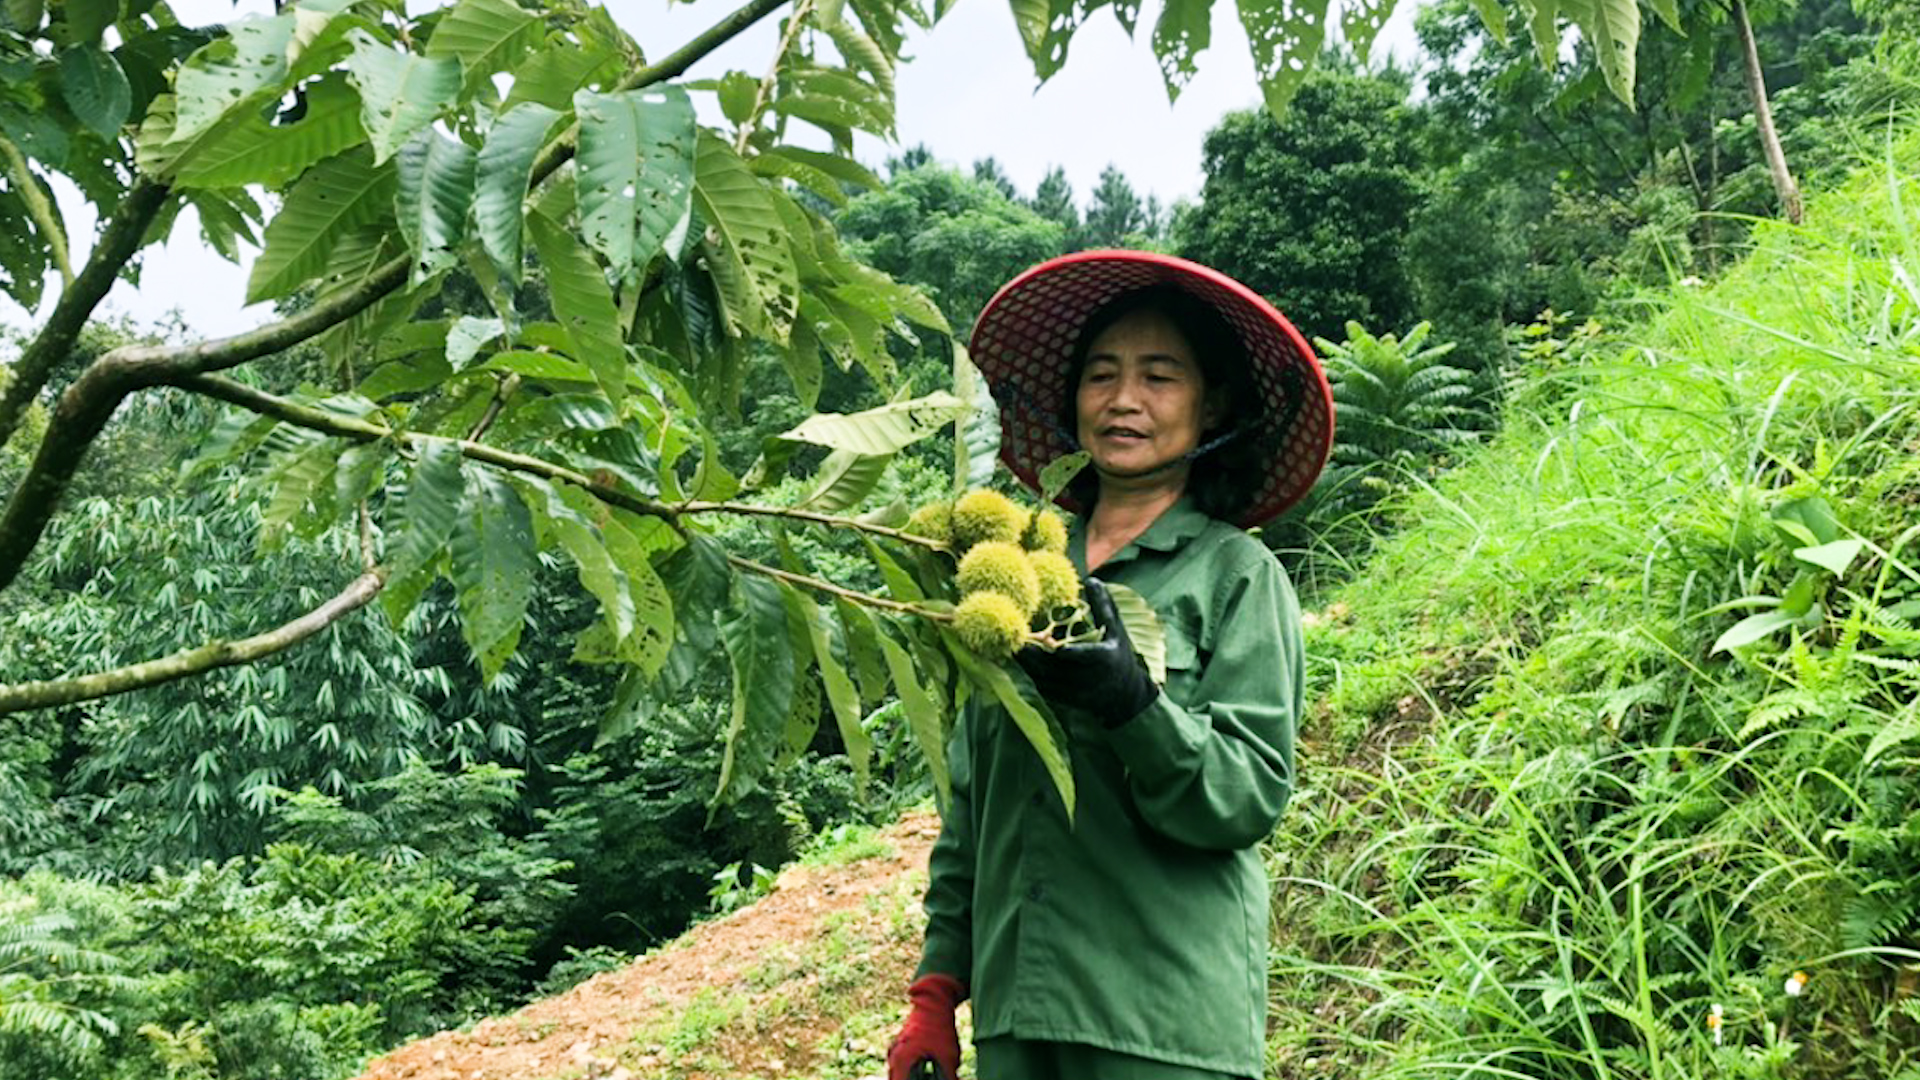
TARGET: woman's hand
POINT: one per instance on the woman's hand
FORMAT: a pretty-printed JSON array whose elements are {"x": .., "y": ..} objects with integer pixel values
[
  {"x": 1103, "y": 677},
  {"x": 929, "y": 1031}
]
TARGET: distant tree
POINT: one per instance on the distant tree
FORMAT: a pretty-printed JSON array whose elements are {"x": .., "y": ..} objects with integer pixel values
[
  {"x": 913, "y": 157},
  {"x": 956, "y": 237},
  {"x": 1114, "y": 212},
  {"x": 988, "y": 171},
  {"x": 1312, "y": 210},
  {"x": 1053, "y": 200}
]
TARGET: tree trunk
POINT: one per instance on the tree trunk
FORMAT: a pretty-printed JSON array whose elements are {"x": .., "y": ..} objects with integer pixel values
[{"x": 1783, "y": 185}]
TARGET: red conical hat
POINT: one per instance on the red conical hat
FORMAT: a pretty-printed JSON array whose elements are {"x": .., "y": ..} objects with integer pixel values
[{"x": 1025, "y": 339}]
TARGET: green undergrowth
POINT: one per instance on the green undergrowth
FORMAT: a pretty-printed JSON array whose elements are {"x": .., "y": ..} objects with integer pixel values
[{"x": 1618, "y": 732}]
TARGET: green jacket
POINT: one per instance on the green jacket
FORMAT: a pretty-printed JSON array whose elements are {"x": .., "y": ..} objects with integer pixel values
[{"x": 1141, "y": 927}]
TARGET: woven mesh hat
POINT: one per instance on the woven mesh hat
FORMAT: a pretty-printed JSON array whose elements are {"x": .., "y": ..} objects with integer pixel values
[{"x": 1025, "y": 340}]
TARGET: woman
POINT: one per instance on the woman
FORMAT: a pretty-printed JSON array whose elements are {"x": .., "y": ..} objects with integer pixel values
[{"x": 1131, "y": 941}]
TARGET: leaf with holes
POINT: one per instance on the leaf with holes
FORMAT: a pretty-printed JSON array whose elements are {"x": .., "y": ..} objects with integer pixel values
[
  {"x": 491, "y": 557},
  {"x": 1614, "y": 29},
  {"x": 1182, "y": 33},
  {"x": 436, "y": 189},
  {"x": 251, "y": 151},
  {"x": 884, "y": 429},
  {"x": 553, "y": 75},
  {"x": 761, "y": 655},
  {"x": 485, "y": 36},
  {"x": 584, "y": 305},
  {"x": 1286, "y": 36},
  {"x": 399, "y": 93},
  {"x": 505, "y": 169},
  {"x": 232, "y": 73},
  {"x": 334, "y": 197},
  {"x": 635, "y": 178},
  {"x": 749, "y": 258}
]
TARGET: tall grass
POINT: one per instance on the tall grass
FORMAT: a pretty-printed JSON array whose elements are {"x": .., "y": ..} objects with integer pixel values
[{"x": 1549, "y": 827}]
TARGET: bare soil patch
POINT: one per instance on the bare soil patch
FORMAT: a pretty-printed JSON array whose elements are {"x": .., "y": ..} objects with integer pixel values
[{"x": 761, "y": 992}]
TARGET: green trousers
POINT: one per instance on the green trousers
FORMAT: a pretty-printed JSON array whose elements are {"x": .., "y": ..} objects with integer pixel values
[{"x": 1023, "y": 1059}]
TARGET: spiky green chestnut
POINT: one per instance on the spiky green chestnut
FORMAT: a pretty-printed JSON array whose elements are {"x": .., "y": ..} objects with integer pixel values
[
  {"x": 1003, "y": 568},
  {"x": 1059, "y": 581},
  {"x": 1045, "y": 532},
  {"x": 990, "y": 624},
  {"x": 933, "y": 521},
  {"x": 984, "y": 514}
]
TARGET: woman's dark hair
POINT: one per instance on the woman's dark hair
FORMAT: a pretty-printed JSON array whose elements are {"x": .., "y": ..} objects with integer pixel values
[{"x": 1224, "y": 480}]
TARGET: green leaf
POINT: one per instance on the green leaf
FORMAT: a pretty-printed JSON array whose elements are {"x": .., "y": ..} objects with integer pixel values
[
  {"x": 233, "y": 73},
  {"x": 923, "y": 715},
  {"x": 431, "y": 507},
  {"x": 1494, "y": 17},
  {"x": 1614, "y": 29},
  {"x": 467, "y": 336},
  {"x": 485, "y": 36},
  {"x": 635, "y": 179},
  {"x": 736, "y": 92},
  {"x": 863, "y": 651},
  {"x": 88, "y": 19},
  {"x": 96, "y": 89},
  {"x": 251, "y": 151},
  {"x": 1286, "y": 36},
  {"x": 1143, "y": 629},
  {"x": 750, "y": 261},
  {"x": 884, "y": 429},
  {"x": 505, "y": 170},
  {"x": 842, "y": 696},
  {"x": 843, "y": 169},
  {"x": 301, "y": 488},
  {"x": 362, "y": 471},
  {"x": 334, "y": 197},
  {"x": 492, "y": 565},
  {"x": 1029, "y": 713},
  {"x": 803, "y": 715},
  {"x": 899, "y": 583},
  {"x": 1059, "y": 472},
  {"x": 584, "y": 305},
  {"x": 553, "y": 75},
  {"x": 1183, "y": 32},
  {"x": 1809, "y": 520},
  {"x": 862, "y": 52},
  {"x": 538, "y": 365},
  {"x": 1543, "y": 26},
  {"x": 1903, "y": 728},
  {"x": 652, "y": 637},
  {"x": 399, "y": 93},
  {"x": 25, "y": 15},
  {"x": 1832, "y": 557},
  {"x": 844, "y": 479},
  {"x": 435, "y": 190},
  {"x": 761, "y": 656},
  {"x": 1752, "y": 629},
  {"x": 599, "y": 575}
]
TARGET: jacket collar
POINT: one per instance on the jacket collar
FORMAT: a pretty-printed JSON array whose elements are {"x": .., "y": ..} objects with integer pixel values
[{"x": 1175, "y": 526}]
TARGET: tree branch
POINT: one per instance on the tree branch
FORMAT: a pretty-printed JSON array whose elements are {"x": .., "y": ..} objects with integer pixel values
[
  {"x": 851, "y": 595},
  {"x": 39, "y": 209},
  {"x": 195, "y": 661},
  {"x": 87, "y": 405},
  {"x": 348, "y": 427},
  {"x": 116, "y": 245},
  {"x": 793, "y": 514}
]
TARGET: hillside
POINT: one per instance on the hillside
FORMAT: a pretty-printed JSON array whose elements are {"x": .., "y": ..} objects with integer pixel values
[
  {"x": 805, "y": 982},
  {"x": 1610, "y": 770}
]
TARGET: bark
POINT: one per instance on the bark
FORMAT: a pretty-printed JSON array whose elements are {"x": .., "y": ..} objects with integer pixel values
[
  {"x": 110, "y": 255},
  {"x": 194, "y": 661},
  {"x": 1783, "y": 183}
]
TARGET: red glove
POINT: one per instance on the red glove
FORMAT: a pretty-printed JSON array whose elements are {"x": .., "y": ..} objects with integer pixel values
[{"x": 929, "y": 1030}]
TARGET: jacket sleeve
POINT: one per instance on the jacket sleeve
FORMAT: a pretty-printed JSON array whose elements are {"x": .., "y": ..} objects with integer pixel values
[
  {"x": 950, "y": 868},
  {"x": 1216, "y": 772}
]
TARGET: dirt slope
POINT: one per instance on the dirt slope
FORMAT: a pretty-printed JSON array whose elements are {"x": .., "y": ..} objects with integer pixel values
[{"x": 805, "y": 983}]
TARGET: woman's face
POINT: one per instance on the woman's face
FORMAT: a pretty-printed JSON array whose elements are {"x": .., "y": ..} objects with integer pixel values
[{"x": 1142, "y": 400}]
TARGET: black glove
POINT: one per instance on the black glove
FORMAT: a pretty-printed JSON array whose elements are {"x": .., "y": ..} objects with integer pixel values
[{"x": 1103, "y": 677}]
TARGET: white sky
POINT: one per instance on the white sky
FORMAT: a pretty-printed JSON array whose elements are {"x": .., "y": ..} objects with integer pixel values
[{"x": 968, "y": 92}]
